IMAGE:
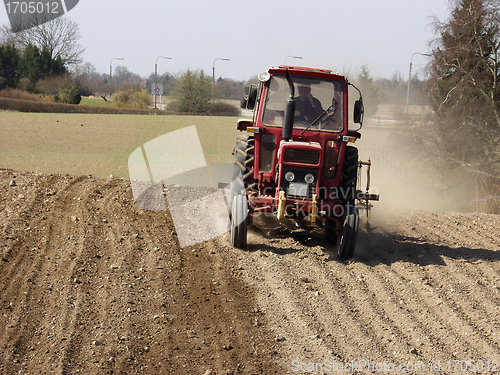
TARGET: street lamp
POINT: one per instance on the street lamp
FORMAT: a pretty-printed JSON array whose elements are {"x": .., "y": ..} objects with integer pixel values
[
  {"x": 409, "y": 79},
  {"x": 213, "y": 74},
  {"x": 156, "y": 73},
  {"x": 293, "y": 57},
  {"x": 111, "y": 72}
]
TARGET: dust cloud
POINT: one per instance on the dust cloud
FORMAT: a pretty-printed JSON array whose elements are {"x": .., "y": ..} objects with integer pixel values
[{"x": 401, "y": 173}]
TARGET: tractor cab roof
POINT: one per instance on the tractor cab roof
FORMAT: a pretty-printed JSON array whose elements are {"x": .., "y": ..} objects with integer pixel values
[{"x": 306, "y": 72}]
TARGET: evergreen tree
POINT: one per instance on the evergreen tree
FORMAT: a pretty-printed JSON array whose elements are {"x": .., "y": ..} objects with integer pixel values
[
  {"x": 193, "y": 90},
  {"x": 203, "y": 90},
  {"x": 35, "y": 65},
  {"x": 51, "y": 66},
  {"x": 9, "y": 63},
  {"x": 29, "y": 65},
  {"x": 369, "y": 91}
]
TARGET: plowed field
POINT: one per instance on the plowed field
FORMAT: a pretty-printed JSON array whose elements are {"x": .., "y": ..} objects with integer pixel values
[{"x": 92, "y": 284}]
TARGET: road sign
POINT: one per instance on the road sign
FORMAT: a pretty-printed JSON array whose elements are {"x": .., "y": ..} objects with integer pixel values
[{"x": 158, "y": 90}]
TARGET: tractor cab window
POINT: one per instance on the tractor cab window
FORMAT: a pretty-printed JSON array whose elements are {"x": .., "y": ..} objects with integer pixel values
[{"x": 314, "y": 99}]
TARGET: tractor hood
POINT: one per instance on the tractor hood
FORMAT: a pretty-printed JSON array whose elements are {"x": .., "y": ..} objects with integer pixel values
[{"x": 300, "y": 154}]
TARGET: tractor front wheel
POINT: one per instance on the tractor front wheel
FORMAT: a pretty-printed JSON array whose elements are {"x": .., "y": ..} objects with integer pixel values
[
  {"x": 349, "y": 234},
  {"x": 239, "y": 213}
]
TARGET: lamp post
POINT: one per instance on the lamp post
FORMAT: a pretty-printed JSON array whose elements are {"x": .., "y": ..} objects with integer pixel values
[
  {"x": 409, "y": 80},
  {"x": 213, "y": 74},
  {"x": 293, "y": 57},
  {"x": 111, "y": 73},
  {"x": 156, "y": 73}
]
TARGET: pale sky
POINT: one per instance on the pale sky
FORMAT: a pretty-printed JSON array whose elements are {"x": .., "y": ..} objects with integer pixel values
[{"x": 255, "y": 35}]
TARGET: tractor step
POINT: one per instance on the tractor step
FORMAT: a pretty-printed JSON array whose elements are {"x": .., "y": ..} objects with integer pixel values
[{"x": 365, "y": 196}]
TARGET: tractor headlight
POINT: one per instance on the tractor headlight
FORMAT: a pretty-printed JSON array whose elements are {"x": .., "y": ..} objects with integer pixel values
[
  {"x": 309, "y": 178},
  {"x": 264, "y": 76},
  {"x": 289, "y": 176}
]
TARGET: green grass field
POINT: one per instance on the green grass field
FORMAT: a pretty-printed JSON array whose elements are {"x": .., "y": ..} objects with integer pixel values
[{"x": 99, "y": 145}]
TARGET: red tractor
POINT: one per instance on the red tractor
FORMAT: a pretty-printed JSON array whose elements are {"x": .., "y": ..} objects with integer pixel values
[{"x": 295, "y": 161}]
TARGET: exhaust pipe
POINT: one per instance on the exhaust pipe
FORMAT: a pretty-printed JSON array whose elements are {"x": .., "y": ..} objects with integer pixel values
[{"x": 289, "y": 110}]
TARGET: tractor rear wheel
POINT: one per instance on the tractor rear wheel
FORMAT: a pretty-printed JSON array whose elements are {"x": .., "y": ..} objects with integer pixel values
[
  {"x": 349, "y": 179},
  {"x": 239, "y": 213},
  {"x": 348, "y": 186},
  {"x": 243, "y": 179}
]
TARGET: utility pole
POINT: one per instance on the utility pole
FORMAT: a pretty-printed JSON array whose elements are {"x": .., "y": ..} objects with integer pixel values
[
  {"x": 409, "y": 80},
  {"x": 111, "y": 73},
  {"x": 156, "y": 74},
  {"x": 213, "y": 75}
]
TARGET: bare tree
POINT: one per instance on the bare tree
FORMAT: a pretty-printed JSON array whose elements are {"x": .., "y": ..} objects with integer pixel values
[
  {"x": 465, "y": 85},
  {"x": 122, "y": 76},
  {"x": 7, "y": 37},
  {"x": 58, "y": 36},
  {"x": 88, "y": 80}
]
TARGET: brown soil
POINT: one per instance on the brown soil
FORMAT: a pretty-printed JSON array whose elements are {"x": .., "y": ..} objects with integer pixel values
[{"x": 91, "y": 284}]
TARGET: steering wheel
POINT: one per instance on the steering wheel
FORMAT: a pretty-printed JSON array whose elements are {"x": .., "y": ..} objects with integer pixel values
[
  {"x": 327, "y": 120},
  {"x": 333, "y": 108}
]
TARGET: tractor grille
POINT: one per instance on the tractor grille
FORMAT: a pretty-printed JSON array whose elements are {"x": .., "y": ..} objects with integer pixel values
[{"x": 301, "y": 156}]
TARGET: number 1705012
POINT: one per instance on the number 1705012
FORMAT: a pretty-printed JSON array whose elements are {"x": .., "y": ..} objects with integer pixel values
[{"x": 33, "y": 7}]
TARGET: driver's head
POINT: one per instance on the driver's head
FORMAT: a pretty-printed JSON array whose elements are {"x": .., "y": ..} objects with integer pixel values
[{"x": 304, "y": 90}]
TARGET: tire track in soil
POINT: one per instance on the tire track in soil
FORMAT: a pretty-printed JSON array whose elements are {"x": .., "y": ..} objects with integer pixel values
[
  {"x": 76, "y": 302},
  {"x": 422, "y": 281},
  {"x": 65, "y": 301},
  {"x": 24, "y": 281},
  {"x": 425, "y": 315},
  {"x": 416, "y": 301},
  {"x": 452, "y": 287}
]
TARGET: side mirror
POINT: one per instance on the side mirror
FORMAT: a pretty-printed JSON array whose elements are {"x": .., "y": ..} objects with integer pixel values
[
  {"x": 244, "y": 97},
  {"x": 249, "y": 97},
  {"x": 359, "y": 111},
  {"x": 243, "y": 124}
]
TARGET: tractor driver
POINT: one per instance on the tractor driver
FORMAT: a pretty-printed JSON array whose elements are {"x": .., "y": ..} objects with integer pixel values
[{"x": 307, "y": 107}]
